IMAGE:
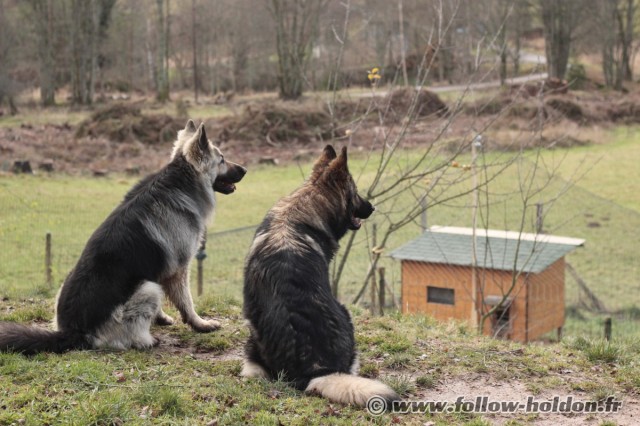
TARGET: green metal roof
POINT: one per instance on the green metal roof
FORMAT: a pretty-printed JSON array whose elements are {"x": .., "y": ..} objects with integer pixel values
[{"x": 494, "y": 249}]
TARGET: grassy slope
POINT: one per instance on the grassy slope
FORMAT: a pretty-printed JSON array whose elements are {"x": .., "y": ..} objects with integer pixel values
[
  {"x": 614, "y": 170},
  {"x": 193, "y": 378}
]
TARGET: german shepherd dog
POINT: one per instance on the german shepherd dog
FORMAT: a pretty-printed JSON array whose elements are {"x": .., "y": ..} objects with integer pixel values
[
  {"x": 297, "y": 327},
  {"x": 139, "y": 253}
]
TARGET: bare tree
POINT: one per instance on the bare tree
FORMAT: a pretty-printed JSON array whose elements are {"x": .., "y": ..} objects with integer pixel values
[
  {"x": 626, "y": 22},
  {"x": 89, "y": 23},
  {"x": 42, "y": 19},
  {"x": 615, "y": 22},
  {"x": 8, "y": 87},
  {"x": 162, "y": 51},
  {"x": 560, "y": 20},
  {"x": 296, "y": 23}
]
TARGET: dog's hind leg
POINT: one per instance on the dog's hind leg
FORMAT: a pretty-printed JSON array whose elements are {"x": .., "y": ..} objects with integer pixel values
[
  {"x": 251, "y": 366},
  {"x": 177, "y": 289},
  {"x": 129, "y": 324}
]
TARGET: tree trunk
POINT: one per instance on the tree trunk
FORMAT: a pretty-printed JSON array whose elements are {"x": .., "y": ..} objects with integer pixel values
[
  {"x": 162, "y": 73},
  {"x": 195, "y": 50},
  {"x": 559, "y": 19},
  {"x": 88, "y": 29},
  {"x": 626, "y": 30},
  {"x": 296, "y": 27},
  {"x": 502, "y": 43},
  {"x": 403, "y": 60},
  {"x": 43, "y": 19}
]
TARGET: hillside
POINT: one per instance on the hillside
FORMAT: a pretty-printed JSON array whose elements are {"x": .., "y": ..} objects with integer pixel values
[{"x": 193, "y": 378}]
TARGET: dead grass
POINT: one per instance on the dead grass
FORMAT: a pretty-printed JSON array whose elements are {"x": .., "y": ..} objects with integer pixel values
[
  {"x": 125, "y": 123},
  {"x": 279, "y": 124}
]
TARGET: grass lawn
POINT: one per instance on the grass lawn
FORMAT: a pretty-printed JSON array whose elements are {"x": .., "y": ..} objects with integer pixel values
[
  {"x": 613, "y": 167},
  {"x": 72, "y": 207}
]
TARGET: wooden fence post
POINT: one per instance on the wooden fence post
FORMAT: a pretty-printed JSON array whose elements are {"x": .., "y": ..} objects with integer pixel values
[
  {"x": 200, "y": 256},
  {"x": 381, "y": 290},
  {"x": 607, "y": 328},
  {"x": 47, "y": 260},
  {"x": 373, "y": 275},
  {"x": 539, "y": 217}
]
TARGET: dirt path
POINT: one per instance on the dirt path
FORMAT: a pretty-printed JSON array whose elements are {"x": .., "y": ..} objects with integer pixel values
[
  {"x": 474, "y": 385},
  {"x": 469, "y": 86}
]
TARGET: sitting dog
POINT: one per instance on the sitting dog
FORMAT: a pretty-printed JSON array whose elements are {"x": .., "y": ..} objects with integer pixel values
[
  {"x": 297, "y": 327},
  {"x": 141, "y": 252}
]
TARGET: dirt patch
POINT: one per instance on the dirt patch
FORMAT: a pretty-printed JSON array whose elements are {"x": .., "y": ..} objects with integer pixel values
[
  {"x": 626, "y": 111},
  {"x": 125, "y": 123},
  {"x": 584, "y": 108},
  {"x": 173, "y": 345},
  {"x": 548, "y": 86},
  {"x": 120, "y": 138},
  {"x": 60, "y": 148},
  {"x": 427, "y": 103},
  {"x": 279, "y": 124}
]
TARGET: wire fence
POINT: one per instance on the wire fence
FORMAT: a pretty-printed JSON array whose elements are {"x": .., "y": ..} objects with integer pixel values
[{"x": 604, "y": 271}]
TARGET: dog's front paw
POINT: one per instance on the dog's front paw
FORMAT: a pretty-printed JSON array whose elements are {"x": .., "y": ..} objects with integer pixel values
[
  {"x": 164, "y": 319},
  {"x": 206, "y": 326}
]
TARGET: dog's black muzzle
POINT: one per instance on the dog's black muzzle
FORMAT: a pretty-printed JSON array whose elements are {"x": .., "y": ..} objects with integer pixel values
[
  {"x": 363, "y": 210},
  {"x": 225, "y": 183}
]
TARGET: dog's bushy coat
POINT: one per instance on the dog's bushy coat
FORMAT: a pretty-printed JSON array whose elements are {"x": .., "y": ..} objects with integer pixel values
[
  {"x": 297, "y": 327},
  {"x": 140, "y": 252}
]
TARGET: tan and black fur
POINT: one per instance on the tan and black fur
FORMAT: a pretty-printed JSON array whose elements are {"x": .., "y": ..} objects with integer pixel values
[
  {"x": 298, "y": 328},
  {"x": 141, "y": 252}
]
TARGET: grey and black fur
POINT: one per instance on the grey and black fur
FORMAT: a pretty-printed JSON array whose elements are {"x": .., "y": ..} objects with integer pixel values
[
  {"x": 297, "y": 327},
  {"x": 138, "y": 254}
]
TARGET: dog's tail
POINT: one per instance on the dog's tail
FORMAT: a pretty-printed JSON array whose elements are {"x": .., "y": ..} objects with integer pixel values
[
  {"x": 350, "y": 389},
  {"x": 32, "y": 340}
]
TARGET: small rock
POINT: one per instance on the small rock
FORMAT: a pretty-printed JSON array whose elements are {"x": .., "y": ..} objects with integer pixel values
[
  {"x": 46, "y": 165},
  {"x": 269, "y": 161},
  {"x": 132, "y": 171},
  {"x": 22, "y": 166}
]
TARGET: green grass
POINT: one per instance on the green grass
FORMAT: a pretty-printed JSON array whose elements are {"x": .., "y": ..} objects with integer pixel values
[
  {"x": 613, "y": 170},
  {"x": 72, "y": 207}
]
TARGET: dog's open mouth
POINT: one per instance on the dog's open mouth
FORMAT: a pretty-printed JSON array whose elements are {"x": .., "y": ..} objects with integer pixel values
[
  {"x": 356, "y": 223},
  {"x": 223, "y": 186}
]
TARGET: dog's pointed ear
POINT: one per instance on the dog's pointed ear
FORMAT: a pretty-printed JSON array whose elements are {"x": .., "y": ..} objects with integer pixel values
[
  {"x": 328, "y": 154},
  {"x": 340, "y": 163},
  {"x": 198, "y": 146},
  {"x": 337, "y": 170},
  {"x": 203, "y": 142},
  {"x": 190, "y": 127}
]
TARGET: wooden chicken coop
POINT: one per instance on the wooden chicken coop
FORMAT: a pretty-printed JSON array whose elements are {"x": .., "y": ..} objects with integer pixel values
[{"x": 516, "y": 281}]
